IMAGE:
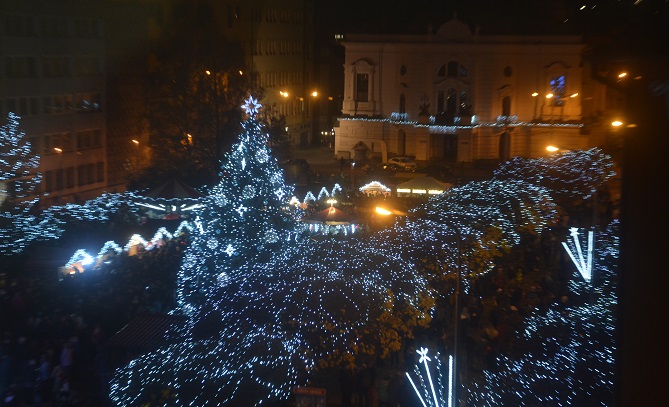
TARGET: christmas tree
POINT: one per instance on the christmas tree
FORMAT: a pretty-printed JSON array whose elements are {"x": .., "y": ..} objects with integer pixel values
[
  {"x": 18, "y": 166},
  {"x": 266, "y": 307}
]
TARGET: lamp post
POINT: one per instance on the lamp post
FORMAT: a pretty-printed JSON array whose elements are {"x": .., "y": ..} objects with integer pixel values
[
  {"x": 536, "y": 104},
  {"x": 456, "y": 326}
]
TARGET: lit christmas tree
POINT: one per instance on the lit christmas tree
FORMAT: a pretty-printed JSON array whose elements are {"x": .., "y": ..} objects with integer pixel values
[
  {"x": 566, "y": 355},
  {"x": 266, "y": 307},
  {"x": 18, "y": 165}
]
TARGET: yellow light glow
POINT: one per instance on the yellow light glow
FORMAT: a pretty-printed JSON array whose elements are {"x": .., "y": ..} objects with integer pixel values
[
  {"x": 616, "y": 123},
  {"x": 135, "y": 141},
  {"x": 314, "y": 93},
  {"x": 383, "y": 211},
  {"x": 419, "y": 191},
  {"x": 535, "y": 94},
  {"x": 573, "y": 95},
  {"x": 552, "y": 149},
  {"x": 58, "y": 150},
  {"x": 550, "y": 95},
  {"x": 208, "y": 72},
  {"x": 622, "y": 75}
]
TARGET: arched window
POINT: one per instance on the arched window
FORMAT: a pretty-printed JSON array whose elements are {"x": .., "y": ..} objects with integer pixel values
[
  {"x": 506, "y": 106},
  {"x": 453, "y": 69},
  {"x": 362, "y": 87},
  {"x": 451, "y": 102},
  {"x": 557, "y": 85}
]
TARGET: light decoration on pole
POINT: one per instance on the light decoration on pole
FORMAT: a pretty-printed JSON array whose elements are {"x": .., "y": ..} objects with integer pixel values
[
  {"x": 583, "y": 264},
  {"x": 429, "y": 397}
]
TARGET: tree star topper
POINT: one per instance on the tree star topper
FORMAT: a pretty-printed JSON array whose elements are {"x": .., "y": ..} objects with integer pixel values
[{"x": 251, "y": 106}]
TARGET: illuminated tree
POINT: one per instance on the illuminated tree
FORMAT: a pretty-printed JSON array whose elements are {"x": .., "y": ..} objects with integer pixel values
[
  {"x": 266, "y": 306},
  {"x": 565, "y": 355},
  {"x": 19, "y": 178}
]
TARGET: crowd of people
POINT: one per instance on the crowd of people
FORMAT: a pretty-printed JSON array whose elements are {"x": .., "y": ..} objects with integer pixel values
[{"x": 54, "y": 331}]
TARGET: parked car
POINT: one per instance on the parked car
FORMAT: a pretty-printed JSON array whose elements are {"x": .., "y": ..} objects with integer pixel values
[{"x": 407, "y": 163}]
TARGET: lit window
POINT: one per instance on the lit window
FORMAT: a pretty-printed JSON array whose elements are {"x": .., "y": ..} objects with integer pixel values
[{"x": 557, "y": 85}]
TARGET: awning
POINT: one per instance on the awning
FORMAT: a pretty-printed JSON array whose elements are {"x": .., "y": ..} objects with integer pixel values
[{"x": 423, "y": 185}]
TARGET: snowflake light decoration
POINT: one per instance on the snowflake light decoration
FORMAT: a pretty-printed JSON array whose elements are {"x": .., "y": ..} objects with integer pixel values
[{"x": 251, "y": 106}]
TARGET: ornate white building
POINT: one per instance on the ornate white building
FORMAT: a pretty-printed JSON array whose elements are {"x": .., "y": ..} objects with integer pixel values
[{"x": 458, "y": 96}]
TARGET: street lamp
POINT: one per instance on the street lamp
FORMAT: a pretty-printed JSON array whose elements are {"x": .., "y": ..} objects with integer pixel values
[{"x": 536, "y": 103}]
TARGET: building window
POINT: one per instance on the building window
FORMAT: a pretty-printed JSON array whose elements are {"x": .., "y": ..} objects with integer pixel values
[
  {"x": 465, "y": 106},
  {"x": 403, "y": 104},
  {"x": 451, "y": 103},
  {"x": 403, "y": 70},
  {"x": 557, "y": 85},
  {"x": 48, "y": 181},
  {"x": 453, "y": 69},
  {"x": 69, "y": 177},
  {"x": 60, "y": 179},
  {"x": 442, "y": 71},
  {"x": 362, "y": 87},
  {"x": 100, "y": 171},
  {"x": 81, "y": 175},
  {"x": 506, "y": 106}
]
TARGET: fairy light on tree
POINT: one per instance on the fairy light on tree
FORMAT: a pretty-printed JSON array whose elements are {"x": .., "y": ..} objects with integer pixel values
[
  {"x": 19, "y": 178},
  {"x": 568, "y": 351},
  {"x": 267, "y": 307}
]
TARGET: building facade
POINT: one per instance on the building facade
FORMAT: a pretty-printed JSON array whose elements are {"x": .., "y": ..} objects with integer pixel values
[
  {"x": 457, "y": 96},
  {"x": 53, "y": 76},
  {"x": 278, "y": 42}
]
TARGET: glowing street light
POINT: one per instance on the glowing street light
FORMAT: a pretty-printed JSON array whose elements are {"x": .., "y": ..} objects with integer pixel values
[
  {"x": 552, "y": 149},
  {"x": 58, "y": 150},
  {"x": 616, "y": 123},
  {"x": 382, "y": 211}
]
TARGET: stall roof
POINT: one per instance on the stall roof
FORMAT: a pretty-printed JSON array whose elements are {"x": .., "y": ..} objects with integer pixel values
[
  {"x": 174, "y": 189},
  {"x": 422, "y": 183}
]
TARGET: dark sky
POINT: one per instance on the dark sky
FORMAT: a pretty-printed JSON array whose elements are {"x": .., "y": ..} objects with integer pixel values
[{"x": 649, "y": 18}]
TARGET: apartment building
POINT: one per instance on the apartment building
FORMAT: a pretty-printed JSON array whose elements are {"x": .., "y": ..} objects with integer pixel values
[{"x": 53, "y": 76}]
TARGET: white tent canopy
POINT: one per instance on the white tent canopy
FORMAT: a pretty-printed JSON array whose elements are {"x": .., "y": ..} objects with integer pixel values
[{"x": 423, "y": 185}]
